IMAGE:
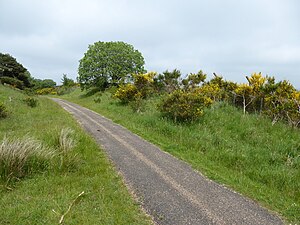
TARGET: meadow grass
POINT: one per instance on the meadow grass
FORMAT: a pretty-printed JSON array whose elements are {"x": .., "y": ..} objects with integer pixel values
[
  {"x": 244, "y": 152},
  {"x": 44, "y": 196}
]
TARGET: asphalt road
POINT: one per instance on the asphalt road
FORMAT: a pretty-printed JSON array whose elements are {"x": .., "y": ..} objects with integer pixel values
[{"x": 169, "y": 189}]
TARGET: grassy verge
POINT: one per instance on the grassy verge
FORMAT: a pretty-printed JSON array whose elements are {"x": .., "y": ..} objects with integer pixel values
[
  {"x": 44, "y": 196},
  {"x": 244, "y": 152}
]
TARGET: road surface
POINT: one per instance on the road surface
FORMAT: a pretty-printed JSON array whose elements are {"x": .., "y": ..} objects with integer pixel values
[{"x": 169, "y": 189}]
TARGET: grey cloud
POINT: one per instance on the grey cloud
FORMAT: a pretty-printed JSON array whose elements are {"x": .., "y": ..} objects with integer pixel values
[{"x": 231, "y": 37}]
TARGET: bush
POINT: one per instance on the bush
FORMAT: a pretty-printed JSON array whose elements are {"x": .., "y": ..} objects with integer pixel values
[
  {"x": 21, "y": 157},
  {"x": 3, "y": 111},
  {"x": 46, "y": 91},
  {"x": 63, "y": 90},
  {"x": 184, "y": 106},
  {"x": 142, "y": 88},
  {"x": 126, "y": 93},
  {"x": 97, "y": 98},
  {"x": 32, "y": 102}
]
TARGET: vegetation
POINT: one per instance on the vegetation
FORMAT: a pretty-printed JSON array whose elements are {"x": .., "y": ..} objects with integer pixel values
[
  {"x": 13, "y": 73},
  {"x": 243, "y": 135},
  {"x": 40, "y": 84},
  {"x": 3, "y": 111},
  {"x": 184, "y": 106},
  {"x": 108, "y": 63},
  {"x": 21, "y": 157},
  {"x": 67, "y": 82},
  {"x": 54, "y": 171},
  {"x": 30, "y": 101},
  {"x": 243, "y": 151}
]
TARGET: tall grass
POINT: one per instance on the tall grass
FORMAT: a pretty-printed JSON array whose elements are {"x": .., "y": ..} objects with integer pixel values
[
  {"x": 21, "y": 157},
  {"x": 66, "y": 145}
]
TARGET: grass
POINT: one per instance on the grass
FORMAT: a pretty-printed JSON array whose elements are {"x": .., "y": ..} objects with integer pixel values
[
  {"x": 18, "y": 158},
  {"x": 244, "y": 152},
  {"x": 42, "y": 197}
]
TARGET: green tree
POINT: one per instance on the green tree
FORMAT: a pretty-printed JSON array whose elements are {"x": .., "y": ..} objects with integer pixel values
[
  {"x": 68, "y": 82},
  {"x": 109, "y": 63},
  {"x": 13, "y": 73},
  {"x": 46, "y": 83}
]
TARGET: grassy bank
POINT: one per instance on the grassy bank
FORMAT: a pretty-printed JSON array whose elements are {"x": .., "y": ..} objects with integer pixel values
[
  {"x": 244, "y": 152},
  {"x": 42, "y": 197}
]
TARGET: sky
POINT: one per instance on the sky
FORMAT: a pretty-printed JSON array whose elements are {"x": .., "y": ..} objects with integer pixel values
[{"x": 233, "y": 38}]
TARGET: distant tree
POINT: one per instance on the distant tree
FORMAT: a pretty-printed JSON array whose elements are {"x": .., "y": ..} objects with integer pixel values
[
  {"x": 109, "y": 63},
  {"x": 68, "y": 82},
  {"x": 46, "y": 83},
  {"x": 13, "y": 73}
]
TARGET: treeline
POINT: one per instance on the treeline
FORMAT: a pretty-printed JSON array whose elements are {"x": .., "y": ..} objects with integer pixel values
[
  {"x": 185, "y": 99},
  {"x": 16, "y": 75}
]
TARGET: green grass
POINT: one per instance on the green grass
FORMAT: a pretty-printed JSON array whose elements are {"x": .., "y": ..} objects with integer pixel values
[
  {"x": 244, "y": 152},
  {"x": 42, "y": 197}
]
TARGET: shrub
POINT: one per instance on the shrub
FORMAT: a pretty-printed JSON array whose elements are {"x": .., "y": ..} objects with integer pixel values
[
  {"x": 126, "y": 93},
  {"x": 144, "y": 83},
  {"x": 21, "y": 157},
  {"x": 184, "y": 106},
  {"x": 97, "y": 98},
  {"x": 3, "y": 110},
  {"x": 62, "y": 90},
  {"x": 12, "y": 81},
  {"x": 167, "y": 82},
  {"x": 141, "y": 88},
  {"x": 30, "y": 101},
  {"x": 46, "y": 91}
]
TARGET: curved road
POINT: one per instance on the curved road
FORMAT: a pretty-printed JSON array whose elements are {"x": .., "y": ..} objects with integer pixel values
[{"x": 169, "y": 189}]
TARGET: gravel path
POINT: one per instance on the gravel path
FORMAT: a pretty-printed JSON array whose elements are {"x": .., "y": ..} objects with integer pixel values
[{"x": 169, "y": 189}]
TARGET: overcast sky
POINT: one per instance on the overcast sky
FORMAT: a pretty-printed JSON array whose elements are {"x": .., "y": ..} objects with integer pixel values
[{"x": 233, "y": 38}]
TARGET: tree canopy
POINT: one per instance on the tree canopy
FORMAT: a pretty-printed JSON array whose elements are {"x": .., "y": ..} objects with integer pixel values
[
  {"x": 46, "y": 83},
  {"x": 13, "y": 73},
  {"x": 109, "y": 63}
]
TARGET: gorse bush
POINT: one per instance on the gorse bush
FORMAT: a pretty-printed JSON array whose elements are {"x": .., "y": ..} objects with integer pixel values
[
  {"x": 184, "y": 106},
  {"x": 30, "y": 101},
  {"x": 47, "y": 91},
  {"x": 3, "y": 110},
  {"x": 126, "y": 93},
  {"x": 280, "y": 101},
  {"x": 141, "y": 88},
  {"x": 21, "y": 157}
]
